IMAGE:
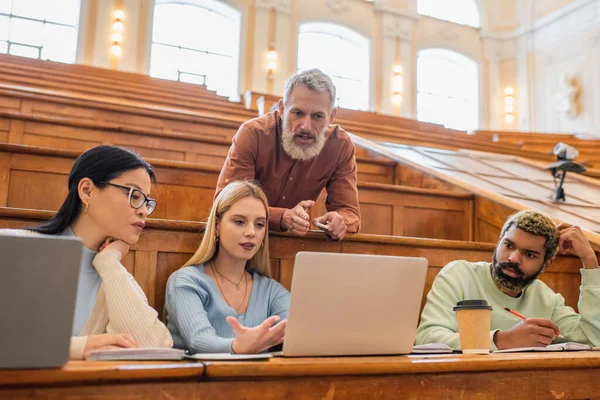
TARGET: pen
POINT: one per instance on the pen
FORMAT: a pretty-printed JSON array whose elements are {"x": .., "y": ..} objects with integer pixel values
[{"x": 513, "y": 312}]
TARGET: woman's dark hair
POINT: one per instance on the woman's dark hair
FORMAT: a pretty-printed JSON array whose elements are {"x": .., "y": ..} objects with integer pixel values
[{"x": 100, "y": 164}]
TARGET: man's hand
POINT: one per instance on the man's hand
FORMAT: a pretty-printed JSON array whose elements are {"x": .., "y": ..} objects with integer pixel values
[
  {"x": 532, "y": 332},
  {"x": 336, "y": 226},
  {"x": 573, "y": 241},
  {"x": 295, "y": 219}
]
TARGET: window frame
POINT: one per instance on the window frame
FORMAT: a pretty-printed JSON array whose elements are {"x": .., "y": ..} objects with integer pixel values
[
  {"x": 78, "y": 36},
  {"x": 345, "y": 33},
  {"x": 474, "y": 99},
  {"x": 219, "y": 7}
]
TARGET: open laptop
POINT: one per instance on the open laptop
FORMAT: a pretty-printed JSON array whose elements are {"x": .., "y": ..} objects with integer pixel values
[
  {"x": 353, "y": 304},
  {"x": 38, "y": 286}
]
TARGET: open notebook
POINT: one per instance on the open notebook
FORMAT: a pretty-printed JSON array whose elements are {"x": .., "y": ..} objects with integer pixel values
[
  {"x": 567, "y": 346},
  {"x": 166, "y": 354}
]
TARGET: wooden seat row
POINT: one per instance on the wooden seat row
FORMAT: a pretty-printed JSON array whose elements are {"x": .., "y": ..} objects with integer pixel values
[
  {"x": 91, "y": 81},
  {"x": 35, "y": 177},
  {"x": 408, "y": 131},
  {"x": 132, "y": 116}
]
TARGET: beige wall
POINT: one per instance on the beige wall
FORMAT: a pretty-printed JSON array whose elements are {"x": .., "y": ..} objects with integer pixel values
[
  {"x": 569, "y": 45},
  {"x": 506, "y": 53}
]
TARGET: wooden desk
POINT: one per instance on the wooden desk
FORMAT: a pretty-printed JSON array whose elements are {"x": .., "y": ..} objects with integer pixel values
[{"x": 497, "y": 376}]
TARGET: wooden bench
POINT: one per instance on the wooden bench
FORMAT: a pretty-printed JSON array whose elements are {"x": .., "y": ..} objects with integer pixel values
[
  {"x": 69, "y": 133},
  {"x": 34, "y": 177}
]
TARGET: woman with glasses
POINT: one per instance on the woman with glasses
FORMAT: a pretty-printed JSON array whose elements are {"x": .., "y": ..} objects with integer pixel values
[{"x": 106, "y": 207}]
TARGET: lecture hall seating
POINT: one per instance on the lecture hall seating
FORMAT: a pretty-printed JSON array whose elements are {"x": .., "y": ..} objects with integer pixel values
[{"x": 50, "y": 112}]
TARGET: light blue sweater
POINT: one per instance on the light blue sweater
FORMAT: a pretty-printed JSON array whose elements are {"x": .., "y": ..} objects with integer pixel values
[
  {"x": 87, "y": 287},
  {"x": 197, "y": 311}
]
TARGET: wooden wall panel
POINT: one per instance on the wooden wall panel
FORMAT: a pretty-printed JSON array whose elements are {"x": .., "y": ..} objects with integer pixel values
[
  {"x": 80, "y": 145},
  {"x": 37, "y": 190},
  {"x": 487, "y": 232},
  {"x": 490, "y": 216},
  {"x": 431, "y": 223},
  {"x": 186, "y": 203},
  {"x": 377, "y": 218},
  {"x": 10, "y": 103},
  {"x": 5, "y": 160},
  {"x": 4, "y": 129}
]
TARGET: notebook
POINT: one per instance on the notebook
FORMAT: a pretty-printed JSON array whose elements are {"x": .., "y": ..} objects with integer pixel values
[
  {"x": 166, "y": 354},
  {"x": 431, "y": 348},
  {"x": 567, "y": 346}
]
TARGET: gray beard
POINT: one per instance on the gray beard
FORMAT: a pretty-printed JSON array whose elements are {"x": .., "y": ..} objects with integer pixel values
[{"x": 302, "y": 153}]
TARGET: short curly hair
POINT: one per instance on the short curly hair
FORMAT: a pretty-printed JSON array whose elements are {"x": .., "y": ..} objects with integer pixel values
[{"x": 536, "y": 224}]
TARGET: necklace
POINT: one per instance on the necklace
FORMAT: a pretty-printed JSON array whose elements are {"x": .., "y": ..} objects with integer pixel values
[
  {"x": 245, "y": 278},
  {"x": 237, "y": 285}
]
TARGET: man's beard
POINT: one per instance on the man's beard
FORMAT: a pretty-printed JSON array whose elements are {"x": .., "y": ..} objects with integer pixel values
[
  {"x": 299, "y": 152},
  {"x": 510, "y": 283}
]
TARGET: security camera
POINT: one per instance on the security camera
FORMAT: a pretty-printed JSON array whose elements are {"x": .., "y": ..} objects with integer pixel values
[
  {"x": 565, "y": 152},
  {"x": 565, "y": 156}
]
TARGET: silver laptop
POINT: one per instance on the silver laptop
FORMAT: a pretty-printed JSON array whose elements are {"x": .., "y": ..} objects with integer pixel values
[
  {"x": 38, "y": 286},
  {"x": 354, "y": 304}
]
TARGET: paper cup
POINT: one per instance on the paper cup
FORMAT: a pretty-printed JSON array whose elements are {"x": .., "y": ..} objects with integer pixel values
[{"x": 473, "y": 317}]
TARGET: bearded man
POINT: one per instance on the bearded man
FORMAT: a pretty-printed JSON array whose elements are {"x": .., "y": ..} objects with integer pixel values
[
  {"x": 526, "y": 248},
  {"x": 294, "y": 153}
]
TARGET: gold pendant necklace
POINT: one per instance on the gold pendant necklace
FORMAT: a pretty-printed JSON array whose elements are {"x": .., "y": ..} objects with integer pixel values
[
  {"x": 237, "y": 285},
  {"x": 245, "y": 278}
]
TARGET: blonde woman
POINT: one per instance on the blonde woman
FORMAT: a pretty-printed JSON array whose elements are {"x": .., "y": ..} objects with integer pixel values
[{"x": 224, "y": 300}]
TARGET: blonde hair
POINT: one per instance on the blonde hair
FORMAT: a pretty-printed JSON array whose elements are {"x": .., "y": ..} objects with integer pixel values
[
  {"x": 536, "y": 224},
  {"x": 231, "y": 194}
]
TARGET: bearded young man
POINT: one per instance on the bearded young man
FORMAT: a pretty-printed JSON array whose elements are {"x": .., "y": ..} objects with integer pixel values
[
  {"x": 295, "y": 152},
  {"x": 526, "y": 248}
]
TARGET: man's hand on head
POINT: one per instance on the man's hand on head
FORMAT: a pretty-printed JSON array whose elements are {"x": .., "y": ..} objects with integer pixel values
[
  {"x": 295, "y": 220},
  {"x": 573, "y": 241},
  {"x": 336, "y": 226}
]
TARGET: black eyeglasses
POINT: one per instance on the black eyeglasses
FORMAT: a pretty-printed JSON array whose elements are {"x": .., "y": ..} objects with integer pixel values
[{"x": 137, "y": 198}]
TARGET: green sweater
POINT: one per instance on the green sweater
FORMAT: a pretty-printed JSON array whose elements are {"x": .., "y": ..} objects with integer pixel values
[{"x": 463, "y": 280}]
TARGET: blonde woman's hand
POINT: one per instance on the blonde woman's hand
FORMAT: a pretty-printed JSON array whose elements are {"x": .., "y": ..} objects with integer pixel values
[
  {"x": 117, "y": 244},
  {"x": 254, "y": 340}
]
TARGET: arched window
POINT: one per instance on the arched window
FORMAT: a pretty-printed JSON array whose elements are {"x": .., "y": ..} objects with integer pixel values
[
  {"x": 342, "y": 54},
  {"x": 463, "y": 12},
  {"x": 40, "y": 29},
  {"x": 447, "y": 89},
  {"x": 197, "y": 41}
]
